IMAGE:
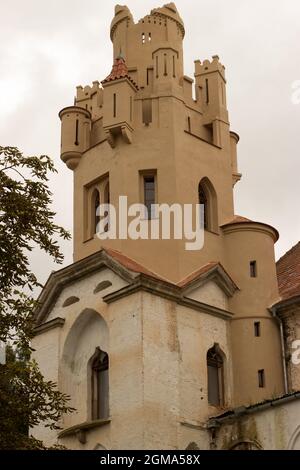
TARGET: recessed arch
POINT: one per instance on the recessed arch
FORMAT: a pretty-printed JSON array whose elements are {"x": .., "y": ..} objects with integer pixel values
[
  {"x": 88, "y": 332},
  {"x": 101, "y": 286},
  {"x": 207, "y": 198},
  {"x": 70, "y": 301}
]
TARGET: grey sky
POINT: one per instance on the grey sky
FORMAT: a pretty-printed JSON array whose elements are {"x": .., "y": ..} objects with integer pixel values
[{"x": 47, "y": 48}]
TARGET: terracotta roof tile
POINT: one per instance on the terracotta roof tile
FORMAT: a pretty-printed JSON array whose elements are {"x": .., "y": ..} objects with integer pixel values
[
  {"x": 204, "y": 269},
  {"x": 119, "y": 70},
  {"x": 288, "y": 273},
  {"x": 131, "y": 264},
  {"x": 237, "y": 219}
]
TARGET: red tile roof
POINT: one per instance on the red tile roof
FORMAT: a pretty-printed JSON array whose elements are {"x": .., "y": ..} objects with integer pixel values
[
  {"x": 237, "y": 219},
  {"x": 288, "y": 273},
  {"x": 119, "y": 70},
  {"x": 130, "y": 263},
  {"x": 204, "y": 269}
]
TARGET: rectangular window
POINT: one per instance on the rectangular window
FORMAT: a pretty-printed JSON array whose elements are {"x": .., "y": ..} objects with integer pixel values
[
  {"x": 115, "y": 105},
  {"x": 149, "y": 194},
  {"x": 147, "y": 111},
  {"x": 253, "y": 269},
  {"x": 257, "y": 328},
  {"x": 261, "y": 378}
]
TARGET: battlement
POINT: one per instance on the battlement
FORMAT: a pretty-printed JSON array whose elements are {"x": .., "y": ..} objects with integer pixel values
[
  {"x": 85, "y": 93},
  {"x": 208, "y": 67},
  {"x": 157, "y": 16}
]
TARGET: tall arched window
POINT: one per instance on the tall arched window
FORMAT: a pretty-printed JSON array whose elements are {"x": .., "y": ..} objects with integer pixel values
[
  {"x": 95, "y": 211},
  {"x": 215, "y": 377},
  {"x": 203, "y": 206},
  {"x": 207, "y": 199},
  {"x": 99, "y": 385}
]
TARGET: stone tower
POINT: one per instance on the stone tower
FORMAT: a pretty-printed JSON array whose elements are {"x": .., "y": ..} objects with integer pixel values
[{"x": 149, "y": 132}]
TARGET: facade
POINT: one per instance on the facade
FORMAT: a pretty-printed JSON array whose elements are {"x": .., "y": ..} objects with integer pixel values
[{"x": 159, "y": 346}]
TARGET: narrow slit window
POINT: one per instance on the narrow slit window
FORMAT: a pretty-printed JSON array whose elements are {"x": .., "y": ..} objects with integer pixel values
[
  {"x": 261, "y": 378},
  {"x": 143, "y": 38},
  {"x": 253, "y": 269},
  {"x": 174, "y": 70},
  {"x": 165, "y": 65},
  {"x": 149, "y": 37},
  {"x": 207, "y": 91},
  {"x": 76, "y": 132},
  {"x": 257, "y": 328},
  {"x": 156, "y": 66},
  {"x": 115, "y": 105},
  {"x": 189, "y": 124},
  {"x": 149, "y": 194}
]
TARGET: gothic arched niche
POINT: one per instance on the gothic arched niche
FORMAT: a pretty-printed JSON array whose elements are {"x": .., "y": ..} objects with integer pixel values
[
  {"x": 207, "y": 198},
  {"x": 88, "y": 332}
]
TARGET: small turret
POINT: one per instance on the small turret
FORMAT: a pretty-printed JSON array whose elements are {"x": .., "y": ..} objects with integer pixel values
[
  {"x": 118, "y": 100},
  {"x": 75, "y": 134},
  {"x": 210, "y": 78}
]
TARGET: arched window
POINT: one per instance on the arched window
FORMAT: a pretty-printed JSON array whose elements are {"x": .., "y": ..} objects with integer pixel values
[
  {"x": 207, "y": 199},
  {"x": 215, "y": 377},
  {"x": 99, "y": 385},
  {"x": 203, "y": 207},
  {"x": 95, "y": 211}
]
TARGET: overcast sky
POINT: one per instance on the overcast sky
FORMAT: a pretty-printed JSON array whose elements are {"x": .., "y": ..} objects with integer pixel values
[{"x": 47, "y": 48}]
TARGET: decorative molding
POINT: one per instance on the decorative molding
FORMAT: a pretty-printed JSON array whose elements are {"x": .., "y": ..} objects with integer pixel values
[
  {"x": 50, "y": 325},
  {"x": 81, "y": 429}
]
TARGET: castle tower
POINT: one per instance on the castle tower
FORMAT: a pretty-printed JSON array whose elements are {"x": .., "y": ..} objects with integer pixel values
[{"x": 188, "y": 333}]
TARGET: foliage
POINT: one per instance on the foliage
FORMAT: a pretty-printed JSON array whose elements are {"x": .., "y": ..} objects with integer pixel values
[{"x": 26, "y": 223}]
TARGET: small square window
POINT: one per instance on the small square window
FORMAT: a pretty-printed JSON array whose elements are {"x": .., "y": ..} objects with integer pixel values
[
  {"x": 261, "y": 378},
  {"x": 253, "y": 269}
]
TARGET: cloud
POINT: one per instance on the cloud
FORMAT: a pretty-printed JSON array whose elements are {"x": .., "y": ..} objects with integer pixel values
[{"x": 47, "y": 48}]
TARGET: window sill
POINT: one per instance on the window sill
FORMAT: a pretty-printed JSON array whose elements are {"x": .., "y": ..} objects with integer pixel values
[{"x": 81, "y": 429}]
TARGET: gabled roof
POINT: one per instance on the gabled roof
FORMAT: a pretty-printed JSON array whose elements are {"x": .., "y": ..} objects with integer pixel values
[
  {"x": 212, "y": 271},
  {"x": 138, "y": 278},
  {"x": 288, "y": 273}
]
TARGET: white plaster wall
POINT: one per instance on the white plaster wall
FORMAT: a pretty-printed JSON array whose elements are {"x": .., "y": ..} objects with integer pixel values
[
  {"x": 275, "y": 428},
  {"x": 211, "y": 294},
  {"x": 46, "y": 353},
  {"x": 157, "y": 352}
]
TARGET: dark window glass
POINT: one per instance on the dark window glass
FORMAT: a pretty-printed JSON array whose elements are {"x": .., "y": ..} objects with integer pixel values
[
  {"x": 261, "y": 378},
  {"x": 257, "y": 328},
  {"x": 99, "y": 385},
  {"x": 215, "y": 378},
  {"x": 253, "y": 269},
  {"x": 149, "y": 194},
  {"x": 203, "y": 207}
]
